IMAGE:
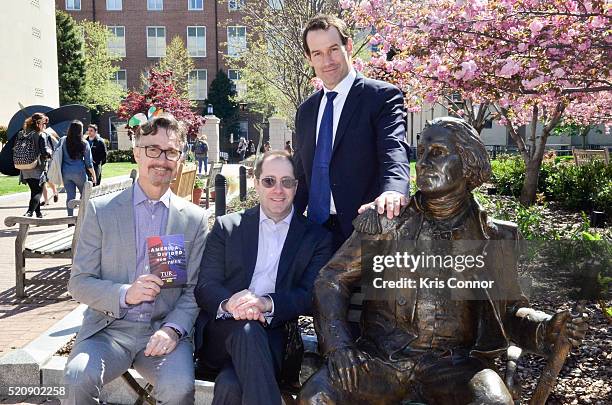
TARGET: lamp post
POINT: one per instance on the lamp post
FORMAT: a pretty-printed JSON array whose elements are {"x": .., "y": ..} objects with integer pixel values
[{"x": 209, "y": 109}]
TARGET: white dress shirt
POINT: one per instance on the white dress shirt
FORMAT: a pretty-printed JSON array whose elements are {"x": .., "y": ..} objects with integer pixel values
[
  {"x": 342, "y": 89},
  {"x": 270, "y": 244}
]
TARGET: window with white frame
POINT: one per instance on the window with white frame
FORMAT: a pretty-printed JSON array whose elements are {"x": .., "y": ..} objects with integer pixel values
[
  {"x": 236, "y": 40},
  {"x": 235, "y": 5},
  {"x": 196, "y": 41},
  {"x": 114, "y": 5},
  {"x": 156, "y": 42},
  {"x": 276, "y": 4},
  {"x": 195, "y": 4},
  {"x": 73, "y": 4},
  {"x": 120, "y": 77},
  {"x": 116, "y": 41},
  {"x": 155, "y": 5},
  {"x": 198, "y": 83},
  {"x": 235, "y": 76}
]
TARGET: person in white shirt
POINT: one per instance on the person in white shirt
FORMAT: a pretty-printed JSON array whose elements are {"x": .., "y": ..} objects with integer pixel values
[{"x": 257, "y": 276}]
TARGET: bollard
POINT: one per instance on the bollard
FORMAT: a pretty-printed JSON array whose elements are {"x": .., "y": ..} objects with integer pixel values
[
  {"x": 243, "y": 183},
  {"x": 220, "y": 189}
]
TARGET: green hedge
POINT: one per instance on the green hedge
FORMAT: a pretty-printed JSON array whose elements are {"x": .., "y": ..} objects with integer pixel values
[
  {"x": 115, "y": 156},
  {"x": 575, "y": 187}
]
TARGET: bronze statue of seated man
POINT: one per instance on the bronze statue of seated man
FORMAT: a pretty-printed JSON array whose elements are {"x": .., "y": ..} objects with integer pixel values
[{"x": 419, "y": 343}]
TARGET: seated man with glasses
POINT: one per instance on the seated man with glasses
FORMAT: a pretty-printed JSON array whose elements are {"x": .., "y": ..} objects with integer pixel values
[
  {"x": 257, "y": 277},
  {"x": 134, "y": 318}
]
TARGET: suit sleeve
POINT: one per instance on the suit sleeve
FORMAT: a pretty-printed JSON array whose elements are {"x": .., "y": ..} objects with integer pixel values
[
  {"x": 301, "y": 197},
  {"x": 186, "y": 310},
  {"x": 104, "y": 153},
  {"x": 392, "y": 148},
  {"x": 292, "y": 303},
  {"x": 86, "y": 284},
  {"x": 210, "y": 290}
]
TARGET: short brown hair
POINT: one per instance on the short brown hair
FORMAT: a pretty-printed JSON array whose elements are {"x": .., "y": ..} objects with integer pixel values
[
  {"x": 94, "y": 126},
  {"x": 324, "y": 22},
  {"x": 166, "y": 121},
  {"x": 271, "y": 155}
]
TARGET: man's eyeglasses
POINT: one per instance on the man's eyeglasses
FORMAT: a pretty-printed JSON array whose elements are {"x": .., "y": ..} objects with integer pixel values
[
  {"x": 154, "y": 152},
  {"x": 286, "y": 182}
]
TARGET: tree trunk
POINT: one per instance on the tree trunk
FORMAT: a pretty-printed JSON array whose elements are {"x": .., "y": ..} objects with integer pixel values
[{"x": 532, "y": 174}]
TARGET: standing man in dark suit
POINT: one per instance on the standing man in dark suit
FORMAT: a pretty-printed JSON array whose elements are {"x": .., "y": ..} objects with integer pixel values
[
  {"x": 257, "y": 275},
  {"x": 350, "y": 136},
  {"x": 98, "y": 151}
]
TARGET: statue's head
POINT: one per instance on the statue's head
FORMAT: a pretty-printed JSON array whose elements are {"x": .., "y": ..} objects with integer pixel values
[{"x": 450, "y": 156}]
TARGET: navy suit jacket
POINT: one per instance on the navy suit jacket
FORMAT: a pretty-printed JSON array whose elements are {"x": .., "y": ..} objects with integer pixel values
[
  {"x": 229, "y": 261},
  {"x": 370, "y": 154}
]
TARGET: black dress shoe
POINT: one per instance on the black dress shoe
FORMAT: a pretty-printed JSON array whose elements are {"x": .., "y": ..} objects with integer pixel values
[
  {"x": 28, "y": 214},
  {"x": 39, "y": 215},
  {"x": 42, "y": 204}
]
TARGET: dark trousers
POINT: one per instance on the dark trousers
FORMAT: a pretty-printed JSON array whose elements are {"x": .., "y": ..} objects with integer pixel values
[
  {"x": 98, "y": 169},
  {"x": 248, "y": 357},
  {"x": 35, "y": 194},
  {"x": 338, "y": 237}
]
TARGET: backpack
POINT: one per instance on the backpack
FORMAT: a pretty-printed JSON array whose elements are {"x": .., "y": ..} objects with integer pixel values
[
  {"x": 201, "y": 148},
  {"x": 25, "y": 152}
]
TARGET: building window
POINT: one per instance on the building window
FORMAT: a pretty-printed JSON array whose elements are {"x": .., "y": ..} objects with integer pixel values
[
  {"x": 74, "y": 5},
  {"x": 120, "y": 77},
  {"x": 116, "y": 42},
  {"x": 235, "y": 5},
  {"x": 198, "y": 84},
  {"x": 196, "y": 41},
  {"x": 195, "y": 4},
  {"x": 234, "y": 75},
  {"x": 114, "y": 5},
  {"x": 36, "y": 33},
  {"x": 243, "y": 132},
  {"x": 236, "y": 40},
  {"x": 156, "y": 42},
  {"x": 155, "y": 5},
  {"x": 276, "y": 4}
]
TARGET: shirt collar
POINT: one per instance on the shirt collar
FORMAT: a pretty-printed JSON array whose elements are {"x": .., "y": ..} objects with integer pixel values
[
  {"x": 263, "y": 216},
  {"x": 140, "y": 196},
  {"x": 345, "y": 84}
]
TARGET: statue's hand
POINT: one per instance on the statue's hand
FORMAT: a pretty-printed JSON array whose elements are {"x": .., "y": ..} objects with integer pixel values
[
  {"x": 344, "y": 364},
  {"x": 571, "y": 327}
]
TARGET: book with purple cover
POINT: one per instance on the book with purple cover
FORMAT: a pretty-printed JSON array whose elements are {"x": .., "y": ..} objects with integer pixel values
[{"x": 167, "y": 259}]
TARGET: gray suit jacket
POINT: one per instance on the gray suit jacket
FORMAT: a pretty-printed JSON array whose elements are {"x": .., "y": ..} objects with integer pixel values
[{"x": 106, "y": 255}]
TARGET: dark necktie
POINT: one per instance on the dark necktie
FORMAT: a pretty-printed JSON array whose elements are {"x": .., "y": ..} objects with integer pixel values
[{"x": 320, "y": 193}]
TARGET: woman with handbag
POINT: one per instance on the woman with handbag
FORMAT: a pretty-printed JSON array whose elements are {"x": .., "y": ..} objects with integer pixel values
[
  {"x": 35, "y": 176},
  {"x": 76, "y": 162}
]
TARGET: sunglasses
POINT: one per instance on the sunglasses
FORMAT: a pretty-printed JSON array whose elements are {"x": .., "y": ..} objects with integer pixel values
[{"x": 286, "y": 182}]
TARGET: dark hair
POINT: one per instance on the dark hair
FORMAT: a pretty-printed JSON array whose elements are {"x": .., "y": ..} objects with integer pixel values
[
  {"x": 271, "y": 155},
  {"x": 471, "y": 150},
  {"x": 30, "y": 122},
  {"x": 324, "y": 22},
  {"x": 74, "y": 140},
  {"x": 166, "y": 121},
  {"x": 94, "y": 126}
]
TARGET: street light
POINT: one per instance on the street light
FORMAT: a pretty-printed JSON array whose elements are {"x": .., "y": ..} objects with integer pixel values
[{"x": 209, "y": 109}]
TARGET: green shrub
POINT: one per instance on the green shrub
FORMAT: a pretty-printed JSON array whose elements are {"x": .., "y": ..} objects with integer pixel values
[
  {"x": 120, "y": 156},
  {"x": 3, "y": 134},
  {"x": 508, "y": 174}
]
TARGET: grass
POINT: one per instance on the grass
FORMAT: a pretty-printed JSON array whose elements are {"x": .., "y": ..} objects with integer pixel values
[{"x": 10, "y": 184}]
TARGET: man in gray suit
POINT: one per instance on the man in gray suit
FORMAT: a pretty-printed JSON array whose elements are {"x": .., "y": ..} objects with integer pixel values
[{"x": 131, "y": 320}]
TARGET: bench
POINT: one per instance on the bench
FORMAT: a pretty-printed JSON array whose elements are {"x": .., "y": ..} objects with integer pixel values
[
  {"x": 182, "y": 185},
  {"x": 59, "y": 244},
  {"x": 209, "y": 184},
  {"x": 585, "y": 156}
]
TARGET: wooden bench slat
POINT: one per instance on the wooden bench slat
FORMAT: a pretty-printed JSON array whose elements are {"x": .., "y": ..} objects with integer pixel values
[
  {"x": 49, "y": 239},
  {"x": 55, "y": 246}
]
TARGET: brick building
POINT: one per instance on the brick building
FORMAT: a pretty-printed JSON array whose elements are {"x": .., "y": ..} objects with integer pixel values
[{"x": 144, "y": 28}]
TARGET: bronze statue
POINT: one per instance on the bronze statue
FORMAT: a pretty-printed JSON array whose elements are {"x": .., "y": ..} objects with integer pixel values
[{"x": 417, "y": 343}]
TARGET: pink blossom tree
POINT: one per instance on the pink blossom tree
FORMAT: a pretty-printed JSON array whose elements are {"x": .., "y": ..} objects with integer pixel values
[
  {"x": 523, "y": 62},
  {"x": 162, "y": 94}
]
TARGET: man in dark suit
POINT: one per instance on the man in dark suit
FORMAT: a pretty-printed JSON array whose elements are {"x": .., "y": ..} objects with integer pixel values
[
  {"x": 98, "y": 151},
  {"x": 257, "y": 276},
  {"x": 350, "y": 136}
]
